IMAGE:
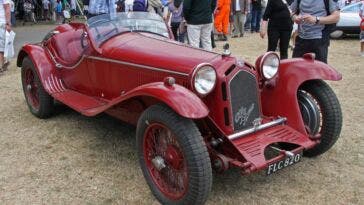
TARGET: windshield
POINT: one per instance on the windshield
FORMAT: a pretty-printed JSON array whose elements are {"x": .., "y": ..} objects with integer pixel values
[{"x": 106, "y": 26}]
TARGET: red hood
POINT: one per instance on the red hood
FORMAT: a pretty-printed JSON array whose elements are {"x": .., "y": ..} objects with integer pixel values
[{"x": 149, "y": 50}]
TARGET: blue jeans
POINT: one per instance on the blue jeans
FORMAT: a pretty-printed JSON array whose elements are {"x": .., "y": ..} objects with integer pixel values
[{"x": 255, "y": 22}]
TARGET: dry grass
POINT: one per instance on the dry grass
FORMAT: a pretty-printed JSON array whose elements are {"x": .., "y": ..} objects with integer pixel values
[{"x": 71, "y": 159}]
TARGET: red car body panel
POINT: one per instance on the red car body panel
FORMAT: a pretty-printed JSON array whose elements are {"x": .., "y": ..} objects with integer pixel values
[
  {"x": 127, "y": 74},
  {"x": 131, "y": 47},
  {"x": 281, "y": 100}
]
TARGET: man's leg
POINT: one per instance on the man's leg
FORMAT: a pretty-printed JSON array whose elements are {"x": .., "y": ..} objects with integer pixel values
[
  {"x": 236, "y": 25},
  {"x": 241, "y": 23},
  {"x": 194, "y": 35},
  {"x": 248, "y": 21},
  {"x": 206, "y": 36},
  {"x": 2, "y": 46},
  {"x": 320, "y": 50},
  {"x": 300, "y": 48},
  {"x": 283, "y": 43},
  {"x": 258, "y": 18},
  {"x": 253, "y": 20},
  {"x": 225, "y": 22},
  {"x": 273, "y": 36}
]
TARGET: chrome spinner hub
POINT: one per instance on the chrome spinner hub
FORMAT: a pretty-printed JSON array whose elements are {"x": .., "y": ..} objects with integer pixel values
[{"x": 158, "y": 163}]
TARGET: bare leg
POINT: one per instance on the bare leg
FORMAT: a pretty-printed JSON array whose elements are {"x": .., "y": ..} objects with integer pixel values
[{"x": 1, "y": 62}]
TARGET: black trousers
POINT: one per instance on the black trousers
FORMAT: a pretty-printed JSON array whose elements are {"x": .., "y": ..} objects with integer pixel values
[
  {"x": 275, "y": 34},
  {"x": 174, "y": 28},
  {"x": 316, "y": 46}
]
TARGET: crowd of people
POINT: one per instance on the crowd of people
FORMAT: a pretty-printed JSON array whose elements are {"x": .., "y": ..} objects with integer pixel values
[{"x": 308, "y": 23}]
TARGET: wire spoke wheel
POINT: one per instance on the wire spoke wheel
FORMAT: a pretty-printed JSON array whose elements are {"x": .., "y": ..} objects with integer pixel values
[
  {"x": 31, "y": 91},
  {"x": 40, "y": 103},
  {"x": 173, "y": 157},
  {"x": 165, "y": 161}
]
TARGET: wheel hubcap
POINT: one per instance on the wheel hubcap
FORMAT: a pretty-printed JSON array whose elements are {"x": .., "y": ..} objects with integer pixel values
[
  {"x": 310, "y": 112},
  {"x": 158, "y": 163},
  {"x": 31, "y": 88},
  {"x": 165, "y": 161}
]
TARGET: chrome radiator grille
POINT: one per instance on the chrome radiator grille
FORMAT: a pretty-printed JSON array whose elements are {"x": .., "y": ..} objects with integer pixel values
[{"x": 244, "y": 100}]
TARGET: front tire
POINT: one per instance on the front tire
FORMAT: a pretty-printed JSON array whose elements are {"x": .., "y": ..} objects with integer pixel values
[
  {"x": 40, "y": 103},
  {"x": 321, "y": 113},
  {"x": 173, "y": 157}
]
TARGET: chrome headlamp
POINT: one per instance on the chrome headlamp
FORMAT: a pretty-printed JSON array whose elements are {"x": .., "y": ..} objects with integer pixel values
[
  {"x": 204, "y": 79},
  {"x": 269, "y": 65}
]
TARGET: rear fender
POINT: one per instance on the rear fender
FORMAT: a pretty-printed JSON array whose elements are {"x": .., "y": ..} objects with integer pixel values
[
  {"x": 43, "y": 64},
  {"x": 281, "y": 99},
  {"x": 180, "y": 99}
]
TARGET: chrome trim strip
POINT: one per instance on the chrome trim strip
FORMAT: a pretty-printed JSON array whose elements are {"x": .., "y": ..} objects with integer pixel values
[
  {"x": 137, "y": 65},
  {"x": 255, "y": 129},
  {"x": 58, "y": 65}
]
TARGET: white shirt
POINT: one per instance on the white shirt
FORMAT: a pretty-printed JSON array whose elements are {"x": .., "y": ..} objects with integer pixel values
[
  {"x": 2, "y": 10},
  {"x": 73, "y": 4},
  {"x": 237, "y": 5},
  {"x": 46, "y": 4}
]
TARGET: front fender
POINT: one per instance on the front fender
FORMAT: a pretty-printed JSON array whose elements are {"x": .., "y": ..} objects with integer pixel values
[
  {"x": 43, "y": 65},
  {"x": 281, "y": 99},
  {"x": 180, "y": 99}
]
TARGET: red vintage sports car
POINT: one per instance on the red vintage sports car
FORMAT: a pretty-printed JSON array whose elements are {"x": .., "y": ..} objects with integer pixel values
[{"x": 194, "y": 110}]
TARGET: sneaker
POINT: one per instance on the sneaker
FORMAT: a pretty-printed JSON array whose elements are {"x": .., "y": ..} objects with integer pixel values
[
  {"x": 224, "y": 38},
  {"x": 234, "y": 36},
  {"x": 241, "y": 35},
  {"x": 1, "y": 71}
]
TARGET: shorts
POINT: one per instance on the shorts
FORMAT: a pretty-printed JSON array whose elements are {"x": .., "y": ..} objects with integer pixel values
[
  {"x": 362, "y": 36},
  {"x": 2, "y": 37}
]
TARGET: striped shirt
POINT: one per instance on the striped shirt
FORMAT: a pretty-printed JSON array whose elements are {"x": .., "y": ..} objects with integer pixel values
[{"x": 102, "y": 7}]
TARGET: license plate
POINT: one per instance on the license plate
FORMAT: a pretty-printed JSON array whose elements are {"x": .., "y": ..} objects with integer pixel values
[{"x": 274, "y": 167}]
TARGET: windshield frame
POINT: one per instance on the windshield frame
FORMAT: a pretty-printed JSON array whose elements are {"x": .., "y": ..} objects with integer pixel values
[{"x": 96, "y": 22}]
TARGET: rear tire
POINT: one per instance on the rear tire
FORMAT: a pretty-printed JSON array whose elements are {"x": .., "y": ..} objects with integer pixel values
[
  {"x": 173, "y": 157},
  {"x": 40, "y": 103},
  {"x": 316, "y": 96}
]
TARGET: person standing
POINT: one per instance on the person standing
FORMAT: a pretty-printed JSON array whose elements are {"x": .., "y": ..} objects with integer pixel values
[
  {"x": 239, "y": 10},
  {"x": 256, "y": 15},
  {"x": 73, "y": 9},
  {"x": 278, "y": 16},
  {"x": 5, "y": 25},
  {"x": 175, "y": 8},
  {"x": 99, "y": 7},
  {"x": 59, "y": 10},
  {"x": 198, "y": 15},
  {"x": 46, "y": 6},
  {"x": 314, "y": 18},
  {"x": 222, "y": 14}
]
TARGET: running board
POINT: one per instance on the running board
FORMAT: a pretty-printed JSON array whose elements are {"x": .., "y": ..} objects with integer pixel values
[{"x": 78, "y": 101}]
